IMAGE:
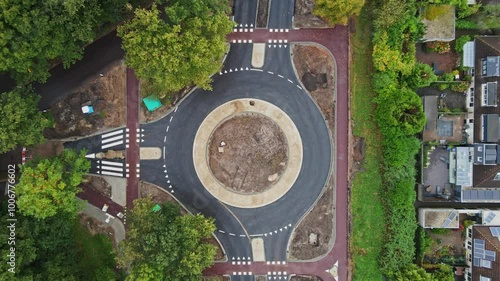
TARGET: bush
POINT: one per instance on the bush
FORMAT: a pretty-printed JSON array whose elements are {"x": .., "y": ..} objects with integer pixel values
[
  {"x": 444, "y": 231},
  {"x": 460, "y": 87},
  {"x": 466, "y": 24},
  {"x": 438, "y": 47},
  {"x": 460, "y": 42},
  {"x": 432, "y": 12}
]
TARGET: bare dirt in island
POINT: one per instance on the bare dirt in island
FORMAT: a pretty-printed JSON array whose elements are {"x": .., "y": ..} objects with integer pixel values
[
  {"x": 262, "y": 13},
  {"x": 248, "y": 153},
  {"x": 304, "y": 17},
  {"x": 314, "y": 235},
  {"x": 94, "y": 227},
  {"x": 105, "y": 93},
  {"x": 316, "y": 70},
  {"x": 98, "y": 184},
  {"x": 46, "y": 149},
  {"x": 159, "y": 196}
]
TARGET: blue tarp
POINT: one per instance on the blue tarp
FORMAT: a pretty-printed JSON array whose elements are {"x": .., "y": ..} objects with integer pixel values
[{"x": 152, "y": 103}]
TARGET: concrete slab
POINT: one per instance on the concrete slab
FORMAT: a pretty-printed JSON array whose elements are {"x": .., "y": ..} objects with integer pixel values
[
  {"x": 258, "y": 55},
  {"x": 258, "y": 251},
  {"x": 150, "y": 153},
  {"x": 118, "y": 189}
]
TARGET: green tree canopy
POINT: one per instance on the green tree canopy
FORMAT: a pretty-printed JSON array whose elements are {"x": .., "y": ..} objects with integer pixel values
[
  {"x": 21, "y": 123},
  {"x": 185, "y": 49},
  {"x": 48, "y": 186},
  {"x": 338, "y": 12},
  {"x": 55, "y": 248},
  {"x": 35, "y": 34},
  {"x": 164, "y": 245},
  {"x": 421, "y": 76}
]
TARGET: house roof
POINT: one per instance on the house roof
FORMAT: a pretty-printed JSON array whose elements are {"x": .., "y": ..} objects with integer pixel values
[
  {"x": 468, "y": 54},
  {"x": 440, "y": 218},
  {"x": 441, "y": 25},
  {"x": 486, "y": 250},
  {"x": 486, "y": 46}
]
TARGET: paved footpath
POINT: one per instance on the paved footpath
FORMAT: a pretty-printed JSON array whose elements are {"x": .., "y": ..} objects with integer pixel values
[{"x": 336, "y": 40}]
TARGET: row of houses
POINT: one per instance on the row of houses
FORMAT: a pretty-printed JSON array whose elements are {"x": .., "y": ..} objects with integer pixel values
[{"x": 461, "y": 159}]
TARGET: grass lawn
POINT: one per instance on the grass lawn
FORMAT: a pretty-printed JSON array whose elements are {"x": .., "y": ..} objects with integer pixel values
[
  {"x": 95, "y": 252},
  {"x": 366, "y": 206}
]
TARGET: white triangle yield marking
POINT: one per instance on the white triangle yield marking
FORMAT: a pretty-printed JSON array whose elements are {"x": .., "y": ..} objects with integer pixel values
[
  {"x": 251, "y": 25},
  {"x": 269, "y": 46},
  {"x": 168, "y": 181},
  {"x": 165, "y": 171},
  {"x": 281, "y": 229},
  {"x": 230, "y": 70},
  {"x": 164, "y": 166},
  {"x": 170, "y": 186},
  {"x": 92, "y": 156},
  {"x": 225, "y": 71},
  {"x": 235, "y": 69},
  {"x": 241, "y": 69},
  {"x": 246, "y": 68},
  {"x": 246, "y": 25}
]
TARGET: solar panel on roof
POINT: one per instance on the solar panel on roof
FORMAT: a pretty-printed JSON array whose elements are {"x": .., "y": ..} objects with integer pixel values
[
  {"x": 490, "y": 217},
  {"x": 495, "y": 231}
]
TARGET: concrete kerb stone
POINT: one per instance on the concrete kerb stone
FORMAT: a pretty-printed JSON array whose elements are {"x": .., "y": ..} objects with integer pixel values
[
  {"x": 333, "y": 137},
  {"x": 200, "y": 153}
]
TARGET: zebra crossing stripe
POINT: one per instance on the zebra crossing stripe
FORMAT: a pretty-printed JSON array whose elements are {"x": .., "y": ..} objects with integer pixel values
[
  {"x": 104, "y": 162},
  {"x": 112, "y": 144},
  {"x": 110, "y": 168},
  {"x": 112, "y": 134},
  {"x": 111, "y": 174},
  {"x": 112, "y": 139}
]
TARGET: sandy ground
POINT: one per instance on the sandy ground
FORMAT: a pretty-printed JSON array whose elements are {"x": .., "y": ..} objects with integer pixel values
[
  {"x": 98, "y": 184},
  {"x": 316, "y": 69},
  {"x": 46, "y": 149},
  {"x": 107, "y": 96},
  {"x": 159, "y": 196},
  {"x": 303, "y": 15},
  {"x": 255, "y": 153},
  {"x": 94, "y": 227}
]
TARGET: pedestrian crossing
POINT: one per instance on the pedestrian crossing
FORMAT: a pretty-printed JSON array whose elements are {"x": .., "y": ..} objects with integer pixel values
[
  {"x": 111, "y": 168},
  {"x": 113, "y": 139}
]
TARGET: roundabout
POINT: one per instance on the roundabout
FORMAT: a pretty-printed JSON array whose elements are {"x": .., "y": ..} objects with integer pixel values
[{"x": 280, "y": 185}]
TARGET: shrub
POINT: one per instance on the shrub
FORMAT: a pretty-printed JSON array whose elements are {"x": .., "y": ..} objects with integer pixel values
[
  {"x": 444, "y": 231},
  {"x": 460, "y": 87},
  {"x": 460, "y": 42},
  {"x": 438, "y": 47}
]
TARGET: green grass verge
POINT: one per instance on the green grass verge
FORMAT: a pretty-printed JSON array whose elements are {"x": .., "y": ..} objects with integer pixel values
[{"x": 366, "y": 206}]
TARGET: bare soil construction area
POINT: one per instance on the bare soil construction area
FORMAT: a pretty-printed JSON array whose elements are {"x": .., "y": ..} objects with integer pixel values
[
  {"x": 262, "y": 13},
  {"x": 304, "y": 17},
  {"x": 248, "y": 153},
  {"x": 315, "y": 233},
  {"x": 107, "y": 96},
  {"x": 98, "y": 184}
]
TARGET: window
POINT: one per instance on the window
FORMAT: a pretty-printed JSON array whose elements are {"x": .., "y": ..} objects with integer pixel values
[
  {"x": 479, "y": 148},
  {"x": 486, "y": 264},
  {"x": 480, "y": 159},
  {"x": 483, "y": 67},
  {"x": 497, "y": 177},
  {"x": 482, "y": 278}
]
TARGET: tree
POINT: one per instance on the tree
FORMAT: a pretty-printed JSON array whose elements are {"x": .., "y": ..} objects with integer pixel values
[
  {"x": 21, "y": 122},
  {"x": 48, "y": 186},
  {"x": 411, "y": 273},
  {"x": 164, "y": 245},
  {"x": 421, "y": 76},
  {"x": 337, "y": 12},
  {"x": 185, "y": 49},
  {"x": 38, "y": 33},
  {"x": 51, "y": 249}
]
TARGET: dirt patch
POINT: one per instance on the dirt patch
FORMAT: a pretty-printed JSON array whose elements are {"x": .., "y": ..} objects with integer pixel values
[
  {"x": 305, "y": 278},
  {"x": 304, "y": 17},
  {"x": 94, "y": 227},
  {"x": 248, "y": 153},
  {"x": 159, "y": 196},
  {"x": 97, "y": 184},
  {"x": 312, "y": 237},
  {"x": 46, "y": 149},
  {"x": 358, "y": 149},
  {"x": 146, "y": 116},
  {"x": 446, "y": 62},
  {"x": 263, "y": 13},
  {"x": 260, "y": 278},
  {"x": 315, "y": 67},
  {"x": 107, "y": 96}
]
